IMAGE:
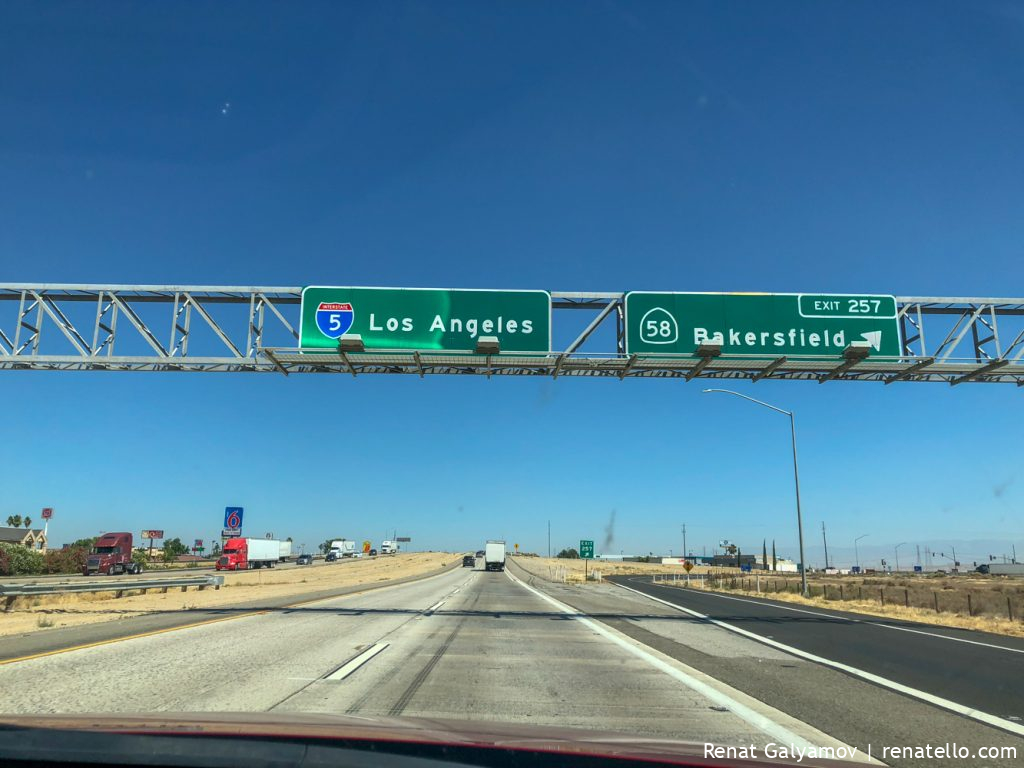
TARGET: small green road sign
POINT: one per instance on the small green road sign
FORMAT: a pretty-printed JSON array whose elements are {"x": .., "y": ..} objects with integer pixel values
[
  {"x": 586, "y": 549},
  {"x": 761, "y": 324},
  {"x": 425, "y": 318}
]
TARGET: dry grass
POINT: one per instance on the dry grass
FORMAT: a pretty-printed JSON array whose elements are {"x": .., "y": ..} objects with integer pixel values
[
  {"x": 981, "y": 623},
  {"x": 75, "y": 609},
  {"x": 571, "y": 571}
]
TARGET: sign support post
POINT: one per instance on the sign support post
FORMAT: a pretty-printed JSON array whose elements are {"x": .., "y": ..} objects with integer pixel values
[{"x": 586, "y": 553}]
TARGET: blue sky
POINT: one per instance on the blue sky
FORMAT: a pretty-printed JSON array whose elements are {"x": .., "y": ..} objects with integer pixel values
[{"x": 832, "y": 147}]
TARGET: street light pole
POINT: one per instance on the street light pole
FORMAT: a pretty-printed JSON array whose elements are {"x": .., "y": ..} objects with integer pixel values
[
  {"x": 826, "y": 543},
  {"x": 898, "y": 555},
  {"x": 856, "y": 551},
  {"x": 796, "y": 477}
]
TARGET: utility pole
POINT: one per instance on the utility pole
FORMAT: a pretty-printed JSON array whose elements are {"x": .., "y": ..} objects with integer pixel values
[
  {"x": 918, "y": 554},
  {"x": 826, "y": 542},
  {"x": 549, "y": 539},
  {"x": 684, "y": 542}
]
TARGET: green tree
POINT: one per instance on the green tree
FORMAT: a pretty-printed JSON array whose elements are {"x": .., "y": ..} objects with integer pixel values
[
  {"x": 325, "y": 547},
  {"x": 27, "y": 522},
  {"x": 86, "y": 544},
  {"x": 173, "y": 548},
  {"x": 569, "y": 553},
  {"x": 14, "y": 521}
]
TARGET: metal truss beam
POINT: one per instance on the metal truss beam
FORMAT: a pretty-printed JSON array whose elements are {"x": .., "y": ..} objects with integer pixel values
[{"x": 253, "y": 329}]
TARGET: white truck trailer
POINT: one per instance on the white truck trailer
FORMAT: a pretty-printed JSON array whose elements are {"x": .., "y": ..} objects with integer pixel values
[
  {"x": 286, "y": 551},
  {"x": 494, "y": 556}
]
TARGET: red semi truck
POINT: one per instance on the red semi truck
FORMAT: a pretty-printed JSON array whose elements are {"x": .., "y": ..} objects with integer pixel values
[
  {"x": 242, "y": 554},
  {"x": 111, "y": 554}
]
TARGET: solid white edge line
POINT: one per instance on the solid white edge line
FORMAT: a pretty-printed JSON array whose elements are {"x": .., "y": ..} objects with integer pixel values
[
  {"x": 742, "y": 711},
  {"x": 867, "y": 620},
  {"x": 938, "y": 701},
  {"x": 347, "y": 669}
]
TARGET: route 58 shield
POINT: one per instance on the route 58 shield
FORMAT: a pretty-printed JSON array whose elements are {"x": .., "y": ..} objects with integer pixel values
[{"x": 334, "y": 319}]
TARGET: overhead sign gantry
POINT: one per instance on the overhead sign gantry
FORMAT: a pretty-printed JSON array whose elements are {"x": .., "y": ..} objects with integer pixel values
[{"x": 734, "y": 336}]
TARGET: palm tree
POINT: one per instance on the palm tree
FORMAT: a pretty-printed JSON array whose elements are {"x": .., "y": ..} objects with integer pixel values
[
  {"x": 28, "y": 522},
  {"x": 14, "y": 520},
  {"x": 10, "y": 520}
]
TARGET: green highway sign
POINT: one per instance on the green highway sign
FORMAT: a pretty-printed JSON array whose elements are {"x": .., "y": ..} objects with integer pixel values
[
  {"x": 768, "y": 324},
  {"x": 425, "y": 318},
  {"x": 586, "y": 549}
]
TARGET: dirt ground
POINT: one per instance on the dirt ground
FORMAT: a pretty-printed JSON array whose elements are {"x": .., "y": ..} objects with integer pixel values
[
  {"x": 34, "y": 613},
  {"x": 571, "y": 571}
]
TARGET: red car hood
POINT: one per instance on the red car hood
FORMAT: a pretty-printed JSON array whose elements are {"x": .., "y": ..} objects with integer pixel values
[{"x": 427, "y": 731}]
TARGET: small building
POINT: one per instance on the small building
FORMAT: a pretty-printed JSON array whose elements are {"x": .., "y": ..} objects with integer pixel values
[
  {"x": 32, "y": 538},
  {"x": 731, "y": 561}
]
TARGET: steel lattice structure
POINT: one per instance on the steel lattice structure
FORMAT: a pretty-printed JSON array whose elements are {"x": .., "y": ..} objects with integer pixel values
[{"x": 255, "y": 329}]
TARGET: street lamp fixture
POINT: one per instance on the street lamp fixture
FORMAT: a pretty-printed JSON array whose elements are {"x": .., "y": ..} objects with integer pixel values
[
  {"x": 488, "y": 345},
  {"x": 856, "y": 552},
  {"x": 796, "y": 475},
  {"x": 351, "y": 342},
  {"x": 708, "y": 350},
  {"x": 857, "y": 350},
  {"x": 902, "y": 543}
]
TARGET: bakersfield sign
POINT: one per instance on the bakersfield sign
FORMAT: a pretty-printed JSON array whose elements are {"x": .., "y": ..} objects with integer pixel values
[
  {"x": 768, "y": 324},
  {"x": 425, "y": 318}
]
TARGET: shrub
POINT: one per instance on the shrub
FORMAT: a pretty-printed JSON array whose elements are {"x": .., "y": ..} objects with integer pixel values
[
  {"x": 16, "y": 560},
  {"x": 70, "y": 560}
]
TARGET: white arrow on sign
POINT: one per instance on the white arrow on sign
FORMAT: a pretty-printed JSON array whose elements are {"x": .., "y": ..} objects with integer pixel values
[{"x": 874, "y": 338}]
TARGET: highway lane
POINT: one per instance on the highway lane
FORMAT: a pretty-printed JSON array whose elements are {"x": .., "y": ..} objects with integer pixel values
[
  {"x": 62, "y": 638},
  {"x": 466, "y": 644},
  {"x": 979, "y": 670}
]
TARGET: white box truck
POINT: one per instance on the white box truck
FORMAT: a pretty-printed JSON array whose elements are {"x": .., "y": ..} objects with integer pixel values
[
  {"x": 389, "y": 548},
  {"x": 494, "y": 556}
]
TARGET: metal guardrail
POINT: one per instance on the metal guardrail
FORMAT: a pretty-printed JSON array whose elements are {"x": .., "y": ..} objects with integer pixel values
[{"x": 10, "y": 592}]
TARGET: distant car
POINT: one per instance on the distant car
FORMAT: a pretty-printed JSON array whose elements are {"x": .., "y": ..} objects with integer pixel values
[
  {"x": 469, "y": 561},
  {"x": 373, "y": 553},
  {"x": 304, "y": 560},
  {"x": 479, "y": 553},
  {"x": 331, "y": 557}
]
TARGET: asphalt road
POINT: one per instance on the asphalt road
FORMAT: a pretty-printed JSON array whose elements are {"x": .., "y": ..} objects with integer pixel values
[
  {"x": 468, "y": 644},
  {"x": 982, "y": 671}
]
